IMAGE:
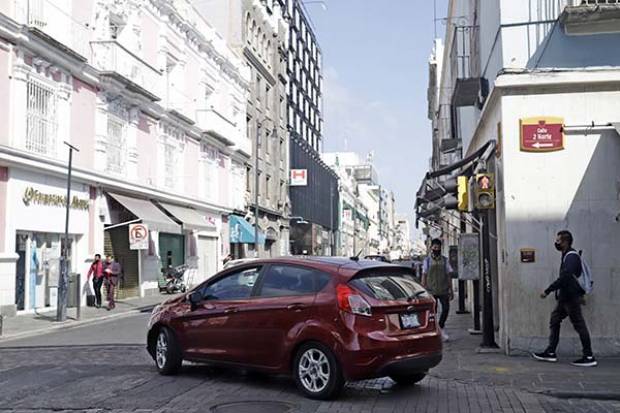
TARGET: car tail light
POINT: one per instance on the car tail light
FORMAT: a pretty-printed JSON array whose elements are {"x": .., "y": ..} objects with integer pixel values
[{"x": 351, "y": 301}]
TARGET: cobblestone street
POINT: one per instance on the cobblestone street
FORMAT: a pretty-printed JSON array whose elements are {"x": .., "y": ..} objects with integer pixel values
[{"x": 68, "y": 371}]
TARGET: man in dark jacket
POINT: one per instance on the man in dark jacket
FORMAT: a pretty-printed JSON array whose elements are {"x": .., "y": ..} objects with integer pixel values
[{"x": 569, "y": 296}]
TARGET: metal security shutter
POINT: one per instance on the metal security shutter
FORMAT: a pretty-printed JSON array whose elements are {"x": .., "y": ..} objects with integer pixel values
[
  {"x": 207, "y": 258},
  {"x": 116, "y": 243}
]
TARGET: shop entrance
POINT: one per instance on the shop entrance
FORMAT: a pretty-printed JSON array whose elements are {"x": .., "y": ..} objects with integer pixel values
[
  {"x": 38, "y": 268},
  {"x": 171, "y": 249},
  {"x": 116, "y": 243}
]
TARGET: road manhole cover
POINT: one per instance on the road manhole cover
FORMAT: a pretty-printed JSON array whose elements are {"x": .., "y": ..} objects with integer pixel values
[{"x": 253, "y": 407}]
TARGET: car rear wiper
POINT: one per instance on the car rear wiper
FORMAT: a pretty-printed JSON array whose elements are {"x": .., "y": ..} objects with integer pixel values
[{"x": 416, "y": 295}]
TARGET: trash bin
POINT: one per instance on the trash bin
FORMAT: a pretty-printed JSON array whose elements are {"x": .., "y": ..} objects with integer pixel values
[{"x": 72, "y": 290}]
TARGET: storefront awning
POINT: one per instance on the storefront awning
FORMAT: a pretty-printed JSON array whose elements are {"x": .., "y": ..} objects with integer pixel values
[
  {"x": 242, "y": 232},
  {"x": 148, "y": 213},
  {"x": 191, "y": 218}
]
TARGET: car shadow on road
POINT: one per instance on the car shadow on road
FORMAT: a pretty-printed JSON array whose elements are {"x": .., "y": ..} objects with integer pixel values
[{"x": 263, "y": 383}]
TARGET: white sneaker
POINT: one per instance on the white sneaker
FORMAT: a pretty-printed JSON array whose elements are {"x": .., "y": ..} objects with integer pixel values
[{"x": 444, "y": 336}]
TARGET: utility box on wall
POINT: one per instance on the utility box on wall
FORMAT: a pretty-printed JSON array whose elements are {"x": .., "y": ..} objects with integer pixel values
[{"x": 469, "y": 257}]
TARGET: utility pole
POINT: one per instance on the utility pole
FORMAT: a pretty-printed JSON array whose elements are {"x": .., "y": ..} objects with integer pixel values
[
  {"x": 63, "y": 280},
  {"x": 256, "y": 184},
  {"x": 488, "y": 329}
]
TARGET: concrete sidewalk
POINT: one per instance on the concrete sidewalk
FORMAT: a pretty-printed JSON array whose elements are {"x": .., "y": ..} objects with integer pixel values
[
  {"x": 42, "y": 322},
  {"x": 463, "y": 363}
]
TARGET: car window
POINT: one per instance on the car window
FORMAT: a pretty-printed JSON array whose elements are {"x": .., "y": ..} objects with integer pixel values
[
  {"x": 287, "y": 280},
  {"x": 235, "y": 286},
  {"x": 389, "y": 286}
]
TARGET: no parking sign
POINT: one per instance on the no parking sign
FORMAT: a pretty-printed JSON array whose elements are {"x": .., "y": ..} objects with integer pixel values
[{"x": 138, "y": 237}]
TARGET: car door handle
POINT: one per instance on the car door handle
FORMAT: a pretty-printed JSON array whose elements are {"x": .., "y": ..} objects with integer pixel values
[
  {"x": 230, "y": 310},
  {"x": 295, "y": 307}
]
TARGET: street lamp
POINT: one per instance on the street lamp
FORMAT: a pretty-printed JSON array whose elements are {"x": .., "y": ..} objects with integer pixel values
[{"x": 63, "y": 280}]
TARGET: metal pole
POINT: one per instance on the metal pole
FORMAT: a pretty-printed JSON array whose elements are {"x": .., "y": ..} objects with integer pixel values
[
  {"x": 79, "y": 296},
  {"x": 462, "y": 283},
  {"x": 61, "y": 307},
  {"x": 256, "y": 184},
  {"x": 488, "y": 329},
  {"x": 331, "y": 217}
]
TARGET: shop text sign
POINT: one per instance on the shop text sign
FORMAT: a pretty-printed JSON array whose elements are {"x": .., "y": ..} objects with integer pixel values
[
  {"x": 34, "y": 196},
  {"x": 138, "y": 237},
  {"x": 299, "y": 177},
  {"x": 542, "y": 134}
]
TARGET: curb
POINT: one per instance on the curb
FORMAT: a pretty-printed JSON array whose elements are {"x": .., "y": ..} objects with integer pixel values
[
  {"x": 591, "y": 395},
  {"x": 74, "y": 323}
]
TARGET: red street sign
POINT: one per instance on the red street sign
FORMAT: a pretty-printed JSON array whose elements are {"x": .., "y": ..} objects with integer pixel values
[{"x": 542, "y": 134}]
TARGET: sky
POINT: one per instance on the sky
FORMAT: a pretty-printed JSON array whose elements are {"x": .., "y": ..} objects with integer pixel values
[{"x": 375, "y": 70}]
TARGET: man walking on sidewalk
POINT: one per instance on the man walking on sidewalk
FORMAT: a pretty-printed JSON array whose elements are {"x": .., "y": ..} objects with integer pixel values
[
  {"x": 436, "y": 278},
  {"x": 569, "y": 296},
  {"x": 96, "y": 271},
  {"x": 112, "y": 271}
]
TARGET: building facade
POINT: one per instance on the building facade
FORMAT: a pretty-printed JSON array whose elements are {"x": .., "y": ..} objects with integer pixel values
[
  {"x": 154, "y": 100},
  {"x": 314, "y": 202},
  {"x": 257, "y": 30},
  {"x": 506, "y": 66}
]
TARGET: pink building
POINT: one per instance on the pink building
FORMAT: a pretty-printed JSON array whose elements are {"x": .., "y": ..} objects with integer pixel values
[{"x": 155, "y": 102}]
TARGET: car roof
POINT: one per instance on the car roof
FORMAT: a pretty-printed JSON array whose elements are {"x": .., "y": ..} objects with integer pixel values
[{"x": 346, "y": 267}]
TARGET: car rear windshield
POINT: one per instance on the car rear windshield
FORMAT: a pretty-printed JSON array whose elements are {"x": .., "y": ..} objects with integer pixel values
[{"x": 388, "y": 285}]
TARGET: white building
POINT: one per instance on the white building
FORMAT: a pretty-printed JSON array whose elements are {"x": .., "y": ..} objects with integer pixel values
[
  {"x": 155, "y": 101},
  {"x": 554, "y": 65}
]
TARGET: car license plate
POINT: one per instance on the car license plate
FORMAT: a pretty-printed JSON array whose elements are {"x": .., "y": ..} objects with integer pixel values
[{"x": 409, "y": 320}]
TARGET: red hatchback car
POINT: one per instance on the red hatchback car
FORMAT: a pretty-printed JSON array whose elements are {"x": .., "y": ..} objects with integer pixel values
[{"x": 325, "y": 320}]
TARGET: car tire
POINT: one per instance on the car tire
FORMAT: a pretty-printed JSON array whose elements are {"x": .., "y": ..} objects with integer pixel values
[
  {"x": 317, "y": 372},
  {"x": 167, "y": 357},
  {"x": 408, "y": 379}
]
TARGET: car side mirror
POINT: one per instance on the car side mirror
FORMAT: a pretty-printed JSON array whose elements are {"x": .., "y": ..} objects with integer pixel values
[{"x": 194, "y": 299}]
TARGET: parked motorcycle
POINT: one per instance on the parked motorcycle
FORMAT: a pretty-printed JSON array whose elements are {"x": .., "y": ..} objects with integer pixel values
[{"x": 173, "y": 279}]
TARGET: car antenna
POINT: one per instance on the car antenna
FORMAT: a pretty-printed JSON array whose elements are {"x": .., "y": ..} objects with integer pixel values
[{"x": 357, "y": 256}]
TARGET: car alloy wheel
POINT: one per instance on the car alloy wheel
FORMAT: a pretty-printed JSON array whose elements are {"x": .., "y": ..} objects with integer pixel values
[
  {"x": 314, "y": 370},
  {"x": 161, "y": 350},
  {"x": 168, "y": 357}
]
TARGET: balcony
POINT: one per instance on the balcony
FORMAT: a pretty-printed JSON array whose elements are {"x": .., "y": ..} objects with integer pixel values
[
  {"x": 54, "y": 25},
  {"x": 584, "y": 17},
  {"x": 467, "y": 84},
  {"x": 112, "y": 57},
  {"x": 219, "y": 127}
]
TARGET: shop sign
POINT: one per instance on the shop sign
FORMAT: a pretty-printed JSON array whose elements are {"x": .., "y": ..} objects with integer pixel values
[
  {"x": 299, "y": 177},
  {"x": 542, "y": 134},
  {"x": 138, "y": 237},
  {"x": 36, "y": 197}
]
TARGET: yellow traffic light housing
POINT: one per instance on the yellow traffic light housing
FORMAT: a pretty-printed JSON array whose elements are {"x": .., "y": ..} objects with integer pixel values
[
  {"x": 485, "y": 191},
  {"x": 463, "y": 193}
]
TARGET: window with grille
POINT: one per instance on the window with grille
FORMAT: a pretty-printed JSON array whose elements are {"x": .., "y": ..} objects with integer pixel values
[
  {"x": 116, "y": 146},
  {"x": 173, "y": 147},
  {"x": 212, "y": 160},
  {"x": 41, "y": 118}
]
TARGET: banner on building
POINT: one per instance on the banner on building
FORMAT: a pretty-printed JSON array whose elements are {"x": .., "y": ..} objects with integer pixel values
[
  {"x": 469, "y": 257},
  {"x": 299, "y": 177},
  {"x": 138, "y": 237}
]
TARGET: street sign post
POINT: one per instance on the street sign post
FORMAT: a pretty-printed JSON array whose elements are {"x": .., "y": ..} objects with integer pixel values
[
  {"x": 138, "y": 237},
  {"x": 542, "y": 134}
]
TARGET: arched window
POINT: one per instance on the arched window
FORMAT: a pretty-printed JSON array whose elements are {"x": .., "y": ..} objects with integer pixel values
[
  {"x": 263, "y": 45},
  {"x": 253, "y": 34},
  {"x": 248, "y": 28},
  {"x": 259, "y": 35},
  {"x": 269, "y": 55}
]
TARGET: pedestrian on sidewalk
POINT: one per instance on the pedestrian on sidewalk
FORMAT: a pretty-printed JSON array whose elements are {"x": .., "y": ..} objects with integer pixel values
[
  {"x": 437, "y": 279},
  {"x": 569, "y": 296},
  {"x": 113, "y": 271},
  {"x": 96, "y": 271}
]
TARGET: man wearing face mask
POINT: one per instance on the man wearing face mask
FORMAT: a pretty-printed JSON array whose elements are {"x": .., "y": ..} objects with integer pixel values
[
  {"x": 568, "y": 294},
  {"x": 436, "y": 278}
]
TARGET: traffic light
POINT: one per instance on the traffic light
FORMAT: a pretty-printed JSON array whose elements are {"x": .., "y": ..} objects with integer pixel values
[
  {"x": 484, "y": 191},
  {"x": 463, "y": 193}
]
